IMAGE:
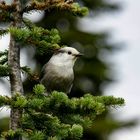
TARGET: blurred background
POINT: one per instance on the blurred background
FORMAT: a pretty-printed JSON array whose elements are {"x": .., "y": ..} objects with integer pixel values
[{"x": 109, "y": 37}]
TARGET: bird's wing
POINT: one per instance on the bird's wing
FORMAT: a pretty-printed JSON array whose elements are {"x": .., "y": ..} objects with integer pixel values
[
  {"x": 42, "y": 72},
  {"x": 70, "y": 88}
]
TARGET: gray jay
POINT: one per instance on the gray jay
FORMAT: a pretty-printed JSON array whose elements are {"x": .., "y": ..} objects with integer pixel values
[{"x": 58, "y": 73}]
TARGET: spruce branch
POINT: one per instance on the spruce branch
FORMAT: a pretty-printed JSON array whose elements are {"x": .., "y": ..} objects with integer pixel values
[
  {"x": 38, "y": 37},
  {"x": 4, "y": 70},
  {"x": 6, "y": 7},
  {"x": 4, "y": 53},
  {"x": 37, "y": 135},
  {"x": 85, "y": 121},
  {"x": 27, "y": 70},
  {"x": 107, "y": 100},
  {"x": 3, "y": 61},
  {"x": 56, "y": 116},
  {"x": 31, "y": 75},
  {"x": 5, "y": 16},
  {"x": 11, "y": 134},
  {"x": 6, "y": 11},
  {"x": 60, "y": 102},
  {"x": 39, "y": 89},
  {"x": 51, "y": 126},
  {"x": 28, "y": 23},
  {"x": 3, "y": 32},
  {"x": 4, "y": 58},
  {"x": 5, "y": 100},
  {"x": 18, "y": 101},
  {"x": 69, "y": 6}
]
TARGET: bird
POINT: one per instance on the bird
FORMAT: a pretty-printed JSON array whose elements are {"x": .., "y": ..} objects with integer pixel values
[{"x": 57, "y": 73}]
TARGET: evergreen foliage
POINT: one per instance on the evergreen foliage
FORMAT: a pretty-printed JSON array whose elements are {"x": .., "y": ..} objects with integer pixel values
[
  {"x": 56, "y": 116},
  {"x": 37, "y": 116},
  {"x": 94, "y": 68}
]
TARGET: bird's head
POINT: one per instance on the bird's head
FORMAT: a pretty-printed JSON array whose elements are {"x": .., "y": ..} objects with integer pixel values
[{"x": 66, "y": 56}]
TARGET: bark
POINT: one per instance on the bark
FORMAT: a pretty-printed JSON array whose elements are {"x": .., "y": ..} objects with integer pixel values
[{"x": 15, "y": 74}]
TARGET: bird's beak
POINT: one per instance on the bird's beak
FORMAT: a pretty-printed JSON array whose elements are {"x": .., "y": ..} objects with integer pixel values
[{"x": 79, "y": 54}]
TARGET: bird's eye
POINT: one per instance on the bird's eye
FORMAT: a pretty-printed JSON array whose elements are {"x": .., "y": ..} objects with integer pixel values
[{"x": 69, "y": 52}]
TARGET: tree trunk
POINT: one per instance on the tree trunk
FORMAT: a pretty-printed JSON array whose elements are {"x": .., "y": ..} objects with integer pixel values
[{"x": 15, "y": 74}]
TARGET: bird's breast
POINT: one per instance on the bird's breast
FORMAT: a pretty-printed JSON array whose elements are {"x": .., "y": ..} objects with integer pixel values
[
  {"x": 58, "y": 78},
  {"x": 63, "y": 71}
]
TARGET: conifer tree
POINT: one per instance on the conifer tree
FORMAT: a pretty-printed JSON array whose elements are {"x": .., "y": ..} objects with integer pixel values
[
  {"x": 94, "y": 68},
  {"x": 36, "y": 116}
]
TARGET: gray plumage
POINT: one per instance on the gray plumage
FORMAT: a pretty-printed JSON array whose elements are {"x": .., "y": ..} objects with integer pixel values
[{"x": 58, "y": 72}]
